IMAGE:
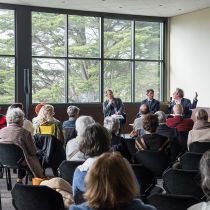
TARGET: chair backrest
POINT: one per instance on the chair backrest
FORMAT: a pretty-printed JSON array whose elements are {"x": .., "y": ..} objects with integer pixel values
[
  {"x": 67, "y": 169},
  {"x": 182, "y": 182},
  {"x": 172, "y": 202},
  {"x": 10, "y": 154},
  {"x": 144, "y": 177},
  {"x": 190, "y": 161},
  {"x": 69, "y": 133},
  {"x": 154, "y": 161},
  {"x": 199, "y": 147},
  {"x": 31, "y": 197},
  {"x": 130, "y": 144},
  {"x": 50, "y": 150},
  {"x": 182, "y": 139}
]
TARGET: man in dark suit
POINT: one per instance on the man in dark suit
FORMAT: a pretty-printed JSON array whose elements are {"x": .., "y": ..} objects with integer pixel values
[
  {"x": 178, "y": 98},
  {"x": 154, "y": 105}
]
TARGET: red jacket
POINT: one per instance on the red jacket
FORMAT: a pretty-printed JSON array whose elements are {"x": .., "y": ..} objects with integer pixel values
[
  {"x": 180, "y": 123},
  {"x": 3, "y": 122}
]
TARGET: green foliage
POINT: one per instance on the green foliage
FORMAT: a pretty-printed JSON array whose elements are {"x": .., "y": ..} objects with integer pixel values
[{"x": 48, "y": 75}]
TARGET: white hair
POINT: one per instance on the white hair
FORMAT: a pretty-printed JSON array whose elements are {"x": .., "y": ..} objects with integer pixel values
[
  {"x": 82, "y": 123},
  {"x": 161, "y": 116},
  {"x": 112, "y": 125},
  {"x": 15, "y": 116}
]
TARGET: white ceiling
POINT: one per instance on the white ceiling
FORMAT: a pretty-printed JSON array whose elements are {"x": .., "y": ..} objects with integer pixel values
[{"x": 163, "y": 8}]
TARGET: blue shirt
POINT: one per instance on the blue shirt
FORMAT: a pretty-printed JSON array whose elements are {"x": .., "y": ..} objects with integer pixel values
[
  {"x": 69, "y": 123},
  {"x": 135, "y": 204}
]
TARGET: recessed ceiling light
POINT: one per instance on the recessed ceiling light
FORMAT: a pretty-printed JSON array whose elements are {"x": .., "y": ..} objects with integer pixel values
[
  {"x": 160, "y": 5},
  {"x": 120, "y": 7},
  {"x": 179, "y": 9}
]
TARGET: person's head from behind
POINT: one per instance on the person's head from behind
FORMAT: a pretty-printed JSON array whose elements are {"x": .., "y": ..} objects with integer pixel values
[
  {"x": 205, "y": 172},
  {"x": 73, "y": 112},
  {"x": 110, "y": 182},
  {"x": 201, "y": 115},
  {"x": 15, "y": 116},
  {"x": 109, "y": 94},
  {"x": 150, "y": 123},
  {"x": 150, "y": 94},
  {"x": 161, "y": 116},
  {"x": 38, "y": 107},
  {"x": 16, "y": 105},
  {"x": 112, "y": 125},
  {"x": 178, "y": 109},
  {"x": 82, "y": 123},
  {"x": 96, "y": 141},
  {"x": 46, "y": 114},
  {"x": 144, "y": 109},
  {"x": 178, "y": 94}
]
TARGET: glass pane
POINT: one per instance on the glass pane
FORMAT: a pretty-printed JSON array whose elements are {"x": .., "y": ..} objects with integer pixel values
[
  {"x": 117, "y": 76},
  {"x": 147, "y": 76},
  {"x": 84, "y": 81},
  {"x": 48, "y": 80},
  {"x": 147, "y": 40},
  {"x": 84, "y": 36},
  {"x": 7, "y": 32},
  {"x": 7, "y": 80},
  {"x": 117, "y": 38},
  {"x": 48, "y": 34}
]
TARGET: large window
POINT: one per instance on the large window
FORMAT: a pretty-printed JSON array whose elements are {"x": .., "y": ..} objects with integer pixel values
[
  {"x": 74, "y": 57},
  {"x": 71, "y": 53},
  {"x": 7, "y": 57}
]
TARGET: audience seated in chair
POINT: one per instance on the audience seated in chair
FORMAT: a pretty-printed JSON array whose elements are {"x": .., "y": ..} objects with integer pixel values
[
  {"x": 201, "y": 128},
  {"x": 205, "y": 176},
  {"x": 178, "y": 122},
  {"x": 35, "y": 120},
  {"x": 69, "y": 125},
  {"x": 151, "y": 140},
  {"x": 47, "y": 124},
  {"x": 95, "y": 142},
  {"x": 27, "y": 124},
  {"x": 138, "y": 122},
  {"x": 111, "y": 184},
  {"x": 72, "y": 147},
  {"x": 15, "y": 134}
]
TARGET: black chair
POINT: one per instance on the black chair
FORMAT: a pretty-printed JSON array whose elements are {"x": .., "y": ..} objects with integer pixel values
[
  {"x": 172, "y": 202},
  {"x": 50, "y": 151},
  {"x": 67, "y": 169},
  {"x": 10, "y": 155},
  {"x": 199, "y": 147},
  {"x": 182, "y": 139},
  {"x": 31, "y": 197},
  {"x": 156, "y": 162},
  {"x": 183, "y": 182},
  {"x": 190, "y": 161},
  {"x": 69, "y": 133},
  {"x": 145, "y": 178},
  {"x": 130, "y": 144}
]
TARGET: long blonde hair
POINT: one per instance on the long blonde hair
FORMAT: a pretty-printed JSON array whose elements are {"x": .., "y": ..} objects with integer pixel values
[
  {"x": 110, "y": 182},
  {"x": 45, "y": 114}
]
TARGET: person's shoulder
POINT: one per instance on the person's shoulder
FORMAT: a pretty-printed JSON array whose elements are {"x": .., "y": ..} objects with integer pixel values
[
  {"x": 137, "y": 204},
  {"x": 144, "y": 101},
  {"x": 156, "y": 101},
  {"x": 200, "y": 206},
  {"x": 82, "y": 206}
]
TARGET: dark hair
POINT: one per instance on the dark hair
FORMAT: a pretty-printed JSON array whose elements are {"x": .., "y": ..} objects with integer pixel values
[
  {"x": 145, "y": 110},
  {"x": 96, "y": 140},
  {"x": 17, "y": 105},
  {"x": 150, "y": 90},
  {"x": 150, "y": 122}
]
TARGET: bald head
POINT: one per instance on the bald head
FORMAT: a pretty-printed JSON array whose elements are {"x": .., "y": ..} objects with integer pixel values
[
  {"x": 144, "y": 109},
  {"x": 178, "y": 109}
]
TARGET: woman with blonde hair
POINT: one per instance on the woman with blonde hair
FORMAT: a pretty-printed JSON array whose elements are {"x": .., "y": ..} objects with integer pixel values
[
  {"x": 111, "y": 184},
  {"x": 47, "y": 124}
]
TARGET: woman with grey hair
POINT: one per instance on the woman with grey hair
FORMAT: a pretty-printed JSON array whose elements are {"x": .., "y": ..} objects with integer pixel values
[
  {"x": 205, "y": 176},
  {"x": 113, "y": 125},
  {"x": 15, "y": 134},
  {"x": 201, "y": 128},
  {"x": 72, "y": 147}
]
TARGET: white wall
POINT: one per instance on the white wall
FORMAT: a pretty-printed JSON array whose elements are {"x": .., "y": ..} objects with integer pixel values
[{"x": 189, "y": 64}]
